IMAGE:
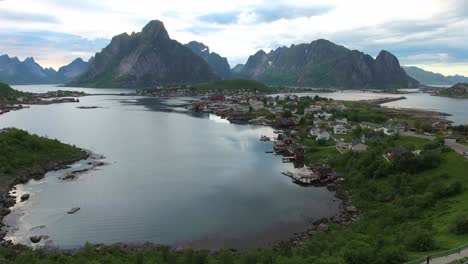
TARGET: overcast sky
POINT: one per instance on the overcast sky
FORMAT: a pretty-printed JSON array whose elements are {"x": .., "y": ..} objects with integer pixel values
[{"x": 428, "y": 33}]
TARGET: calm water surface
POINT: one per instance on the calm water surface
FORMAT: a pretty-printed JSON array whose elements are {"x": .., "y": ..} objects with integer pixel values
[{"x": 172, "y": 178}]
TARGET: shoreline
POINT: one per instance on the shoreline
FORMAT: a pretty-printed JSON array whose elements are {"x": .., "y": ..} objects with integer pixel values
[{"x": 7, "y": 188}]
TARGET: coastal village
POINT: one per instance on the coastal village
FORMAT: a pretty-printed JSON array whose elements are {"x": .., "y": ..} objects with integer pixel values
[{"x": 309, "y": 124}]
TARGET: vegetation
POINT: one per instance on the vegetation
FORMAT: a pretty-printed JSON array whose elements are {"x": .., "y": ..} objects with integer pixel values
[
  {"x": 7, "y": 92},
  {"x": 21, "y": 152},
  {"x": 232, "y": 85},
  {"x": 458, "y": 90}
]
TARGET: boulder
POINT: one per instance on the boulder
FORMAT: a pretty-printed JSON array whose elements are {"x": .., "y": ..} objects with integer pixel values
[
  {"x": 351, "y": 209},
  {"x": 35, "y": 239},
  {"x": 24, "y": 197}
]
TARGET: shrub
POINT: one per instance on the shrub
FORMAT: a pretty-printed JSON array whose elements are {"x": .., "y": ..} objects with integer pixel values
[
  {"x": 420, "y": 240},
  {"x": 460, "y": 225}
]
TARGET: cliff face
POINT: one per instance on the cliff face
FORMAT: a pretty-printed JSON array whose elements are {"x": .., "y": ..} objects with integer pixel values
[
  {"x": 325, "y": 64},
  {"x": 145, "y": 59},
  {"x": 218, "y": 64}
]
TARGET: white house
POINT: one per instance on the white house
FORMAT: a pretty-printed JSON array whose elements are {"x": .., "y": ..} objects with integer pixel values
[
  {"x": 319, "y": 134},
  {"x": 340, "y": 130},
  {"x": 343, "y": 121},
  {"x": 323, "y": 115}
]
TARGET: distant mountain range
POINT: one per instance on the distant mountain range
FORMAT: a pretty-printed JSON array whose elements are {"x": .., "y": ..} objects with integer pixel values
[
  {"x": 325, "y": 64},
  {"x": 16, "y": 72},
  {"x": 145, "y": 59},
  {"x": 431, "y": 78},
  {"x": 151, "y": 58}
]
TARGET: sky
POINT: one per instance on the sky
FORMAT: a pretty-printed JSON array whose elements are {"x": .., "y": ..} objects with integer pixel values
[{"x": 431, "y": 34}]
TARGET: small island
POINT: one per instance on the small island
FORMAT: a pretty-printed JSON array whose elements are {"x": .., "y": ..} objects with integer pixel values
[
  {"x": 459, "y": 90},
  {"x": 11, "y": 99}
]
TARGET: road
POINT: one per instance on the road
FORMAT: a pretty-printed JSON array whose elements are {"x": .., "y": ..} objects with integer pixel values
[
  {"x": 450, "y": 258},
  {"x": 459, "y": 148}
]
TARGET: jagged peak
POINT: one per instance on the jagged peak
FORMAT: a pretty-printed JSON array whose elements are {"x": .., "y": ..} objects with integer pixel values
[
  {"x": 198, "y": 46},
  {"x": 260, "y": 53},
  {"x": 155, "y": 29}
]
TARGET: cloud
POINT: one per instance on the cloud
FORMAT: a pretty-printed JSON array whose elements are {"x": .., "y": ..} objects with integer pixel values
[
  {"x": 415, "y": 31},
  {"x": 49, "y": 48},
  {"x": 221, "y": 18},
  {"x": 29, "y": 17},
  {"x": 264, "y": 14}
]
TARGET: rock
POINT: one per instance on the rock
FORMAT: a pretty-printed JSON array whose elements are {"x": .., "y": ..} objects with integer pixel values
[
  {"x": 351, "y": 209},
  {"x": 73, "y": 210},
  {"x": 4, "y": 211},
  {"x": 322, "y": 228},
  {"x": 35, "y": 239},
  {"x": 24, "y": 197}
]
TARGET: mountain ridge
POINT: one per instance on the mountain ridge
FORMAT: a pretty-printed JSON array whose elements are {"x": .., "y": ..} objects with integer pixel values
[
  {"x": 219, "y": 65},
  {"x": 148, "y": 58},
  {"x": 323, "y": 63},
  {"x": 432, "y": 78},
  {"x": 27, "y": 72}
]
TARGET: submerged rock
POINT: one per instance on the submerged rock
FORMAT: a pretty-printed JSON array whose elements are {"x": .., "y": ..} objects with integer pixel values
[
  {"x": 73, "y": 210},
  {"x": 24, "y": 197}
]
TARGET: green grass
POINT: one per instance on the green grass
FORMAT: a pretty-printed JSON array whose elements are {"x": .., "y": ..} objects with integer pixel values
[
  {"x": 20, "y": 151},
  {"x": 412, "y": 141},
  {"x": 7, "y": 91},
  {"x": 232, "y": 85}
]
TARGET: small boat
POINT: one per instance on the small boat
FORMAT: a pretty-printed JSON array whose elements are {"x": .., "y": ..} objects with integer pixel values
[
  {"x": 73, "y": 210},
  {"x": 264, "y": 138}
]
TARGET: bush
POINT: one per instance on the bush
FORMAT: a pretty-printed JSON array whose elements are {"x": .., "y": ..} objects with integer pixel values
[
  {"x": 420, "y": 240},
  {"x": 460, "y": 225}
]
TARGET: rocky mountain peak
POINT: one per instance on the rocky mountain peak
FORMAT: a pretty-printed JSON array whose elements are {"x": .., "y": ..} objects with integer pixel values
[
  {"x": 198, "y": 47},
  {"x": 155, "y": 30}
]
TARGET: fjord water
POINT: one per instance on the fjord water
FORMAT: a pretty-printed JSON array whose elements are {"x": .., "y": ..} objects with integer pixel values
[{"x": 172, "y": 178}]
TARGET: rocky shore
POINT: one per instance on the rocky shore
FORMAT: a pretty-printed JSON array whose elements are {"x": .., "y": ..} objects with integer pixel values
[{"x": 8, "y": 198}]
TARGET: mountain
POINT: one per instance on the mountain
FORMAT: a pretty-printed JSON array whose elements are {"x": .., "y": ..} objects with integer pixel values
[
  {"x": 431, "y": 78},
  {"x": 73, "y": 70},
  {"x": 325, "y": 64},
  {"x": 237, "y": 68},
  {"x": 13, "y": 71},
  {"x": 217, "y": 63},
  {"x": 459, "y": 90},
  {"x": 16, "y": 72},
  {"x": 454, "y": 79},
  {"x": 145, "y": 59}
]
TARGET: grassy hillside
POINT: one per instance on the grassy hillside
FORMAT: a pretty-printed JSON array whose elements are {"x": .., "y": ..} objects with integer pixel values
[
  {"x": 7, "y": 92},
  {"x": 232, "y": 85},
  {"x": 22, "y": 152}
]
